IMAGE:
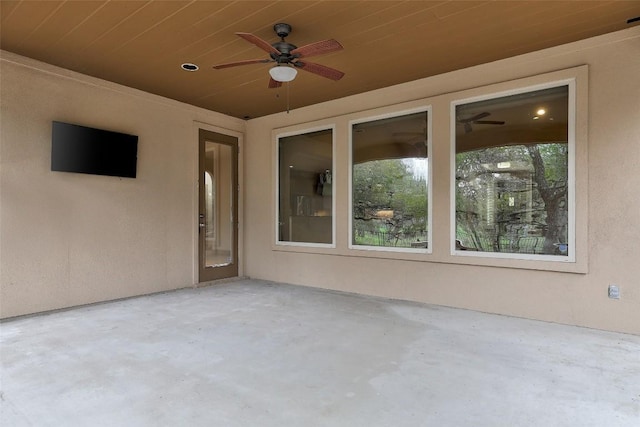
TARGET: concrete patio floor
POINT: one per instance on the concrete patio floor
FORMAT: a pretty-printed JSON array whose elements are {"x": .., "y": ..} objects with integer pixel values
[{"x": 256, "y": 353}]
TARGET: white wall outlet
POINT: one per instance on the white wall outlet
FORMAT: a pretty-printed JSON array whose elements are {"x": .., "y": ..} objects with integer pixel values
[{"x": 614, "y": 292}]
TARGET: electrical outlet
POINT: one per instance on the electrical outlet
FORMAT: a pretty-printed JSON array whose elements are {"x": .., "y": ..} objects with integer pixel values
[{"x": 614, "y": 292}]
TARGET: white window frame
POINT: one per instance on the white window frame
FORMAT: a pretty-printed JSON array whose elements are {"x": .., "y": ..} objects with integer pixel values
[
  {"x": 571, "y": 172},
  {"x": 429, "y": 248},
  {"x": 276, "y": 196}
]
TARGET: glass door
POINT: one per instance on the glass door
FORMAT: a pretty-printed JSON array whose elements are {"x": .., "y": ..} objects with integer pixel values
[{"x": 218, "y": 212}]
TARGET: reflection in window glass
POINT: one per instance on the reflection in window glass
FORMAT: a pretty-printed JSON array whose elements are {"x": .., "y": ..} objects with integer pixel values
[
  {"x": 389, "y": 182},
  {"x": 305, "y": 188},
  {"x": 512, "y": 174}
]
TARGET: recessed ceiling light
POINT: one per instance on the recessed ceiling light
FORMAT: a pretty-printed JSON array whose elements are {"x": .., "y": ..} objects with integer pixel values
[
  {"x": 541, "y": 112},
  {"x": 188, "y": 66}
]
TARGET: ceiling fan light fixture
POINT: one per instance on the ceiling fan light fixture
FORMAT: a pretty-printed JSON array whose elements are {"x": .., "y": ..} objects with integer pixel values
[{"x": 283, "y": 73}]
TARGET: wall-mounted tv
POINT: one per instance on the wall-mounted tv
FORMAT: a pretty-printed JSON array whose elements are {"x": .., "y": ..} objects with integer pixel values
[{"x": 83, "y": 149}]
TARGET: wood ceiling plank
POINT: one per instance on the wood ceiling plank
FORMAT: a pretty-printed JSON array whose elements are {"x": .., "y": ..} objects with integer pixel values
[
  {"x": 321, "y": 22},
  {"x": 136, "y": 23},
  {"x": 141, "y": 44},
  {"x": 390, "y": 12},
  {"x": 231, "y": 78},
  {"x": 524, "y": 19},
  {"x": 161, "y": 29},
  {"x": 61, "y": 23},
  {"x": 354, "y": 18},
  {"x": 82, "y": 36},
  {"x": 582, "y": 22},
  {"x": 451, "y": 9},
  {"x": 492, "y": 30},
  {"x": 394, "y": 31},
  {"x": 184, "y": 24},
  {"x": 6, "y": 9},
  {"x": 176, "y": 30},
  {"x": 577, "y": 23},
  {"x": 475, "y": 21},
  {"x": 23, "y": 20},
  {"x": 223, "y": 24},
  {"x": 395, "y": 20},
  {"x": 315, "y": 93},
  {"x": 470, "y": 35},
  {"x": 588, "y": 17},
  {"x": 496, "y": 47},
  {"x": 318, "y": 22},
  {"x": 529, "y": 46},
  {"x": 272, "y": 14}
]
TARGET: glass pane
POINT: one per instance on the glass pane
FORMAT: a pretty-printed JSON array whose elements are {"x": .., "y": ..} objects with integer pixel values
[
  {"x": 512, "y": 173},
  {"x": 306, "y": 187},
  {"x": 389, "y": 182},
  {"x": 218, "y": 228}
]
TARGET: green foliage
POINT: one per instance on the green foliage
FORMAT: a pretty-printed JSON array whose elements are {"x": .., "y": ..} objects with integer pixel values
[
  {"x": 389, "y": 200},
  {"x": 554, "y": 157},
  {"x": 502, "y": 209},
  {"x": 505, "y": 197}
]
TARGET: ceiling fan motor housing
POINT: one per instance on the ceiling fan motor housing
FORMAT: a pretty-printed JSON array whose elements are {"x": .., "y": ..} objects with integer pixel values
[
  {"x": 282, "y": 29},
  {"x": 285, "y": 52},
  {"x": 285, "y": 57}
]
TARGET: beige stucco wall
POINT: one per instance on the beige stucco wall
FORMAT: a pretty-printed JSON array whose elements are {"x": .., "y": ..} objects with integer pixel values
[
  {"x": 69, "y": 239},
  {"x": 608, "y": 201}
]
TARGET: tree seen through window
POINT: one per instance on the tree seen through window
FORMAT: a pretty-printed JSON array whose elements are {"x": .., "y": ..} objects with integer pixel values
[
  {"x": 512, "y": 174},
  {"x": 389, "y": 182}
]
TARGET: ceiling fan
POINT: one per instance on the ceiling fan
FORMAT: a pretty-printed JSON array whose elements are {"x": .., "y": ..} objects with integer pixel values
[
  {"x": 417, "y": 139},
  {"x": 476, "y": 120},
  {"x": 288, "y": 57}
]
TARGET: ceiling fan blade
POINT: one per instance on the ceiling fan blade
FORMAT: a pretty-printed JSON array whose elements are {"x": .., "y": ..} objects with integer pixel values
[
  {"x": 320, "y": 70},
  {"x": 317, "y": 48},
  {"x": 478, "y": 117},
  {"x": 467, "y": 128},
  {"x": 259, "y": 42},
  {"x": 489, "y": 122},
  {"x": 274, "y": 84},
  {"x": 235, "y": 64}
]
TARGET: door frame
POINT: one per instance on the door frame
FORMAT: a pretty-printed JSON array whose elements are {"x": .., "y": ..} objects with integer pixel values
[{"x": 205, "y": 129}]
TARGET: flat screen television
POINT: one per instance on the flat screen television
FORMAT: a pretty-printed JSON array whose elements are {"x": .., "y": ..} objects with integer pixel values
[{"x": 83, "y": 149}]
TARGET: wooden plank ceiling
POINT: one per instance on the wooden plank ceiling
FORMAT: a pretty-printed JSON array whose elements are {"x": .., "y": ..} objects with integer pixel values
[{"x": 142, "y": 44}]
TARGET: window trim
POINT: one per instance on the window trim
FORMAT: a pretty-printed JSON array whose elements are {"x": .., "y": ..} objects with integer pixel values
[
  {"x": 429, "y": 249},
  {"x": 571, "y": 174},
  {"x": 276, "y": 197},
  {"x": 441, "y": 239}
]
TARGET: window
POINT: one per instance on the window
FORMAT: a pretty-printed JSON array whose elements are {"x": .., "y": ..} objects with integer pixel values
[
  {"x": 389, "y": 183},
  {"x": 513, "y": 184},
  {"x": 305, "y": 188},
  {"x": 504, "y": 166}
]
